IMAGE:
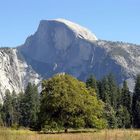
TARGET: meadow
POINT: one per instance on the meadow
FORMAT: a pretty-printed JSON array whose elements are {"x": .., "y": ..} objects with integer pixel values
[{"x": 118, "y": 134}]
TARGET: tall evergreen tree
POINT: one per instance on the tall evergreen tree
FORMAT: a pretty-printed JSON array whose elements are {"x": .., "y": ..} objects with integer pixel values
[
  {"x": 105, "y": 90},
  {"x": 93, "y": 83},
  {"x": 113, "y": 90},
  {"x": 21, "y": 108},
  {"x": 110, "y": 116},
  {"x": 123, "y": 117},
  {"x": 7, "y": 109},
  {"x": 126, "y": 97},
  {"x": 1, "y": 121},
  {"x": 108, "y": 90},
  {"x": 35, "y": 106},
  {"x": 119, "y": 97},
  {"x": 29, "y": 106},
  {"x": 136, "y": 103},
  {"x": 15, "y": 106}
]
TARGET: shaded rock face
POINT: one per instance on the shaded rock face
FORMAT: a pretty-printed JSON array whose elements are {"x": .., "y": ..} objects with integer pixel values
[
  {"x": 59, "y": 46},
  {"x": 62, "y": 46}
]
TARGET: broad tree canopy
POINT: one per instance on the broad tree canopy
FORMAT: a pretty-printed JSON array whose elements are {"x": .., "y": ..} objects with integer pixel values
[{"x": 67, "y": 103}]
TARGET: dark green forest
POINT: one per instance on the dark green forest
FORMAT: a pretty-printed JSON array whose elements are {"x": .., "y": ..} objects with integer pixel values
[{"x": 66, "y": 103}]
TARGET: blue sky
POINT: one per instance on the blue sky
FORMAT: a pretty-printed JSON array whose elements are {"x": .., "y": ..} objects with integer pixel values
[{"x": 108, "y": 19}]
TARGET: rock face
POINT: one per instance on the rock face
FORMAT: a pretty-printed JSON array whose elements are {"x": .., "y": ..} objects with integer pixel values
[
  {"x": 58, "y": 46},
  {"x": 14, "y": 72},
  {"x": 62, "y": 46}
]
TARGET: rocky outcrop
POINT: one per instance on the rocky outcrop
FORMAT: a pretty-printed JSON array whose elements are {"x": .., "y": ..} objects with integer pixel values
[{"x": 14, "y": 71}]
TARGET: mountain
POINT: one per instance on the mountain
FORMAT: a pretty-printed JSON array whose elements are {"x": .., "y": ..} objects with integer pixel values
[
  {"x": 58, "y": 46},
  {"x": 63, "y": 46}
]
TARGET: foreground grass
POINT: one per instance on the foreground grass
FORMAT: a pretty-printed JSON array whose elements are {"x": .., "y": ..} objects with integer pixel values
[{"x": 8, "y": 134}]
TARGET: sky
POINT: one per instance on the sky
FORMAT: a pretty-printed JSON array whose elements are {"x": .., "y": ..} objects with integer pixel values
[{"x": 114, "y": 20}]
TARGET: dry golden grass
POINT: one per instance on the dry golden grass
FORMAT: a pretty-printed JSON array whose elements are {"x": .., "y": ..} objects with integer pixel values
[{"x": 8, "y": 134}]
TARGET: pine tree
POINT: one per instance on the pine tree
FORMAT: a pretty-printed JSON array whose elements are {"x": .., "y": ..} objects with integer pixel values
[
  {"x": 29, "y": 105},
  {"x": 104, "y": 91},
  {"x": 123, "y": 117},
  {"x": 7, "y": 109},
  {"x": 110, "y": 116},
  {"x": 15, "y": 106},
  {"x": 35, "y": 105},
  {"x": 136, "y": 103},
  {"x": 119, "y": 97},
  {"x": 1, "y": 112},
  {"x": 10, "y": 111},
  {"x": 108, "y": 90},
  {"x": 93, "y": 83},
  {"x": 112, "y": 90},
  {"x": 21, "y": 108},
  {"x": 126, "y": 97}
]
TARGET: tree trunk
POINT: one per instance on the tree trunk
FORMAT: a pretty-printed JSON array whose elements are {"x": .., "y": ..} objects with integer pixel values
[{"x": 66, "y": 130}]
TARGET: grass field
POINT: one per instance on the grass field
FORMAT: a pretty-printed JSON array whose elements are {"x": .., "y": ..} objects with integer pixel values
[{"x": 8, "y": 134}]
